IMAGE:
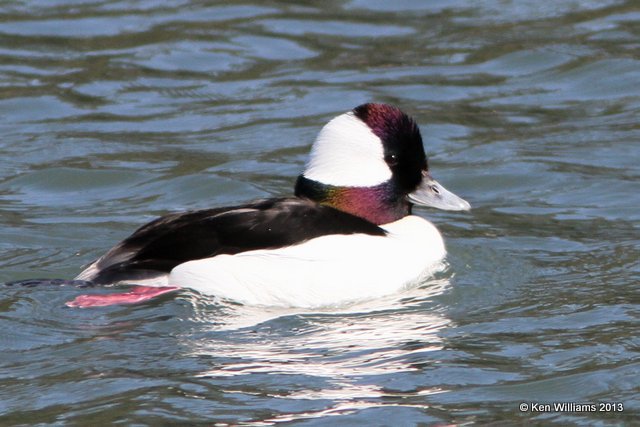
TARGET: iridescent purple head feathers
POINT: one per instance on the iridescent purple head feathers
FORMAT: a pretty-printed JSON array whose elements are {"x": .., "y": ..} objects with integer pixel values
[{"x": 369, "y": 162}]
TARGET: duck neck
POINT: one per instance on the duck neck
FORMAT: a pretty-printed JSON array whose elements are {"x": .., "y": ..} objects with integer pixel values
[{"x": 379, "y": 204}]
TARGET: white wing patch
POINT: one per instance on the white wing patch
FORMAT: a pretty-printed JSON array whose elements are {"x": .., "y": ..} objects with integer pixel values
[{"x": 347, "y": 153}]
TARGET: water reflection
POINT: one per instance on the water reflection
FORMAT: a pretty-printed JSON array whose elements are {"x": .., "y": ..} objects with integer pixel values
[{"x": 339, "y": 348}]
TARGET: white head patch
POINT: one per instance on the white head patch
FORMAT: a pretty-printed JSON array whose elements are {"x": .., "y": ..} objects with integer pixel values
[{"x": 347, "y": 153}]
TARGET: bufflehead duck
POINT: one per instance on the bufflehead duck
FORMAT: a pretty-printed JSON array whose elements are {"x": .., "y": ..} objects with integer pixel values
[{"x": 348, "y": 234}]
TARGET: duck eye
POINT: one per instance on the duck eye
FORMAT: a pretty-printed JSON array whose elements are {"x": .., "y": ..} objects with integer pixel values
[{"x": 391, "y": 159}]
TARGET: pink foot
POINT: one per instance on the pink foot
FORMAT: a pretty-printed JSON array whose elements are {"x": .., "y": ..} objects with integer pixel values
[{"x": 134, "y": 296}]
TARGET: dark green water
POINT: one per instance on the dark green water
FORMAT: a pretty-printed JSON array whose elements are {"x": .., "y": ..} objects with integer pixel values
[{"x": 114, "y": 112}]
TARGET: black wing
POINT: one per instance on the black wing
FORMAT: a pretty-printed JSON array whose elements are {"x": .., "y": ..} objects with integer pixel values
[{"x": 157, "y": 247}]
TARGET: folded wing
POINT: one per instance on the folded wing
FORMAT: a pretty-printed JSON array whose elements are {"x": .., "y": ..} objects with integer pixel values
[{"x": 157, "y": 247}]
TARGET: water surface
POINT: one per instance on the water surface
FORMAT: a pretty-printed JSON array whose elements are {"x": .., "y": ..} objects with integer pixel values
[{"x": 115, "y": 112}]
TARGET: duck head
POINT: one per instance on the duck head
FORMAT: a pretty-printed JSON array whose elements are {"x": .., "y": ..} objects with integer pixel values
[{"x": 370, "y": 162}]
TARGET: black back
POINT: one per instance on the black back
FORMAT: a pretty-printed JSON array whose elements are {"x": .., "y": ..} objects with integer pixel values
[{"x": 157, "y": 247}]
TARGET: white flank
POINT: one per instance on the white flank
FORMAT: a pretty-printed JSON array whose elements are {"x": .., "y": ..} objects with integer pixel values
[
  {"x": 324, "y": 271},
  {"x": 347, "y": 153}
]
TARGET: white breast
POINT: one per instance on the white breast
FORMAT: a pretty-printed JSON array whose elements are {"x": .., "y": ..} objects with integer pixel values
[{"x": 324, "y": 271}]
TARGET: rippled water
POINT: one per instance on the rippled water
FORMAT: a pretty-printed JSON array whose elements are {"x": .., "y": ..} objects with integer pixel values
[{"x": 114, "y": 112}]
